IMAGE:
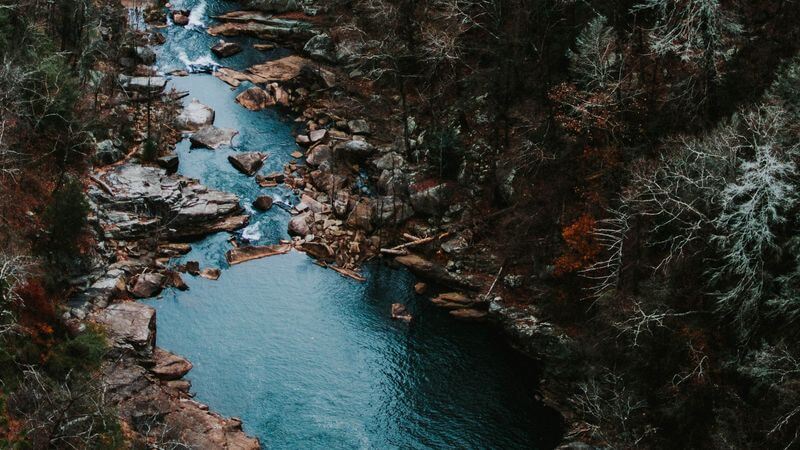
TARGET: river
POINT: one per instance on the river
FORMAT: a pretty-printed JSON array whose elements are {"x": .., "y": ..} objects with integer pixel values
[{"x": 307, "y": 358}]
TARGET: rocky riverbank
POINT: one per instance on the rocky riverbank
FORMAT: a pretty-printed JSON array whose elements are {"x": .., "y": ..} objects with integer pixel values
[{"x": 360, "y": 198}]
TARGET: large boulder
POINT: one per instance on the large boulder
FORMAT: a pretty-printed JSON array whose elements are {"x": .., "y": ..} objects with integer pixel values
[
  {"x": 322, "y": 48},
  {"x": 169, "y": 366},
  {"x": 263, "y": 203},
  {"x": 361, "y": 215},
  {"x": 212, "y": 137},
  {"x": 130, "y": 324},
  {"x": 180, "y": 17},
  {"x": 393, "y": 182},
  {"x": 319, "y": 155},
  {"x": 146, "y": 86},
  {"x": 391, "y": 209},
  {"x": 298, "y": 225},
  {"x": 195, "y": 115},
  {"x": 430, "y": 270},
  {"x": 390, "y": 160},
  {"x": 247, "y": 163},
  {"x": 136, "y": 201},
  {"x": 355, "y": 149},
  {"x": 430, "y": 198},
  {"x": 148, "y": 285},
  {"x": 169, "y": 162},
  {"x": 107, "y": 153},
  {"x": 224, "y": 49},
  {"x": 255, "y": 99}
]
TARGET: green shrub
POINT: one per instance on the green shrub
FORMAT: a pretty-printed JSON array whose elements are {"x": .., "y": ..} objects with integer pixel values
[{"x": 81, "y": 353}]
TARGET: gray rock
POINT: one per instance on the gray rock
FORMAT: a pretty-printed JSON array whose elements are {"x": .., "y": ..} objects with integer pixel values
[
  {"x": 391, "y": 209},
  {"x": 355, "y": 149},
  {"x": 143, "y": 85},
  {"x": 505, "y": 174},
  {"x": 393, "y": 182},
  {"x": 107, "y": 153},
  {"x": 130, "y": 324},
  {"x": 455, "y": 246},
  {"x": 319, "y": 155},
  {"x": 247, "y": 163},
  {"x": 358, "y": 126},
  {"x": 322, "y": 48},
  {"x": 146, "y": 55},
  {"x": 195, "y": 115},
  {"x": 144, "y": 197},
  {"x": 431, "y": 200},
  {"x": 317, "y": 135},
  {"x": 212, "y": 137},
  {"x": 390, "y": 160}
]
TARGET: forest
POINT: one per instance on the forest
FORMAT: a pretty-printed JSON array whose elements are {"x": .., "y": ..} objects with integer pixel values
[{"x": 631, "y": 166}]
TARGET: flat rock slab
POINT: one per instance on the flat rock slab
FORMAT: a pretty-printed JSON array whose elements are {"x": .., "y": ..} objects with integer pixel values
[
  {"x": 141, "y": 198},
  {"x": 212, "y": 137},
  {"x": 130, "y": 323},
  {"x": 169, "y": 366},
  {"x": 247, "y": 163},
  {"x": 195, "y": 115},
  {"x": 255, "y": 99},
  {"x": 239, "y": 255}
]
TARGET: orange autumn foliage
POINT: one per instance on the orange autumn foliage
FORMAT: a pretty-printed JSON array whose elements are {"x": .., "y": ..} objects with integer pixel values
[
  {"x": 36, "y": 308},
  {"x": 581, "y": 246}
]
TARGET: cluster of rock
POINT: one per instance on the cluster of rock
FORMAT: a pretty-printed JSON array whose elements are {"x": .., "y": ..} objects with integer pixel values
[
  {"x": 135, "y": 201},
  {"x": 260, "y": 25},
  {"x": 146, "y": 383}
]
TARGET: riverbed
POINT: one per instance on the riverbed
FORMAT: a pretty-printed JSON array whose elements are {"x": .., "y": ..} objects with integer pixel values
[{"x": 305, "y": 357}]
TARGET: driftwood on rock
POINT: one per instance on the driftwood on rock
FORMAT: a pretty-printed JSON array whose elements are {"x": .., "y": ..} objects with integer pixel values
[{"x": 400, "y": 249}]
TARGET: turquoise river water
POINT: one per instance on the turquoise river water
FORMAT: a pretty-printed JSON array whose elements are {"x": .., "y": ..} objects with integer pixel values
[{"x": 307, "y": 358}]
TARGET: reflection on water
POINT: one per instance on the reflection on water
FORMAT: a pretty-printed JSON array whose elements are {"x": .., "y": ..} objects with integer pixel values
[{"x": 309, "y": 359}]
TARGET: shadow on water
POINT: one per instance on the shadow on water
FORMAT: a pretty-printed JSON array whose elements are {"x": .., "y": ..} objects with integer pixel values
[{"x": 310, "y": 359}]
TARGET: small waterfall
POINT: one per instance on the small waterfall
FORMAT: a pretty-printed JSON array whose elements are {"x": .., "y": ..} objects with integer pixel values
[
  {"x": 201, "y": 64},
  {"x": 197, "y": 16}
]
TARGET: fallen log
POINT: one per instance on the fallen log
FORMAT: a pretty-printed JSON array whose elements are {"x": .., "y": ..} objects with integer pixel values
[{"x": 418, "y": 241}]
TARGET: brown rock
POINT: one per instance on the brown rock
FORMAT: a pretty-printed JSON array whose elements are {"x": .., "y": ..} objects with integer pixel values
[
  {"x": 224, "y": 49},
  {"x": 399, "y": 312},
  {"x": 420, "y": 288},
  {"x": 255, "y": 99},
  {"x": 248, "y": 253},
  {"x": 210, "y": 274},
  {"x": 177, "y": 282},
  {"x": 180, "y": 17},
  {"x": 130, "y": 323},
  {"x": 193, "y": 267},
  {"x": 298, "y": 225},
  {"x": 247, "y": 163},
  {"x": 263, "y": 203},
  {"x": 148, "y": 285},
  {"x": 169, "y": 366},
  {"x": 469, "y": 314}
]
